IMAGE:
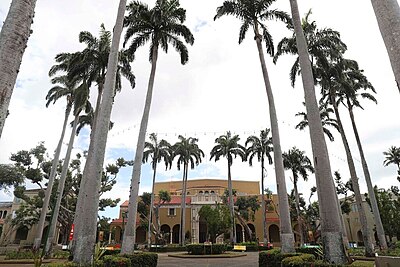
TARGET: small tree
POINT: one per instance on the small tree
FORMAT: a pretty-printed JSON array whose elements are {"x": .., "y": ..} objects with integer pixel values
[{"x": 218, "y": 220}]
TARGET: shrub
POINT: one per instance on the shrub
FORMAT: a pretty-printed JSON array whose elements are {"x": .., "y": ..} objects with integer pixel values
[
  {"x": 61, "y": 264},
  {"x": 273, "y": 257},
  {"x": 111, "y": 261},
  {"x": 297, "y": 261},
  {"x": 143, "y": 259},
  {"x": 356, "y": 251},
  {"x": 316, "y": 251},
  {"x": 201, "y": 249},
  {"x": 23, "y": 254},
  {"x": 60, "y": 254},
  {"x": 168, "y": 249},
  {"x": 363, "y": 264}
]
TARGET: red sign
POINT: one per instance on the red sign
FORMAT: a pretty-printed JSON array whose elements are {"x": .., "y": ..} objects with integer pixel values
[{"x": 71, "y": 233}]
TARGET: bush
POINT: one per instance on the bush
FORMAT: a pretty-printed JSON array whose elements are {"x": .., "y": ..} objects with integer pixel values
[
  {"x": 273, "y": 257},
  {"x": 168, "y": 249},
  {"x": 356, "y": 251},
  {"x": 298, "y": 261},
  {"x": 17, "y": 255},
  {"x": 60, "y": 254},
  {"x": 61, "y": 264},
  {"x": 201, "y": 249},
  {"x": 111, "y": 261},
  {"x": 363, "y": 264},
  {"x": 143, "y": 259},
  {"x": 316, "y": 251}
]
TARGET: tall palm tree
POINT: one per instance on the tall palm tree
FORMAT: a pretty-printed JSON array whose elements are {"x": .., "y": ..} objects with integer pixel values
[
  {"x": 14, "y": 37},
  {"x": 162, "y": 25},
  {"x": 81, "y": 103},
  {"x": 321, "y": 42},
  {"x": 228, "y": 146},
  {"x": 187, "y": 151},
  {"x": 254, "y": 14},
  {"x": 387, "y": 14},
  {"x": 88, "y": 199},
  {"x": 352, "y": 83},
  {"x": 261, "y": 148},
  {"x": 157, "y": 151},
  {"x": 63, "y": 89},
  {"x": 327, "y": 198},
  {"x": 296, "y": 161},
  {"x": 326, "y": 120},
  {"x": 330, "y": 75},
  {"x": 392, "y": 156}
]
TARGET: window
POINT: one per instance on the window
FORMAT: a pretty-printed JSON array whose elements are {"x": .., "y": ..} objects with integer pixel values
[
  {"x": 354, "y": 208},
  {"x": 4, "y": 214},
  {"x": 171, "y": 212},
  {"x": 200, "y": 192}
]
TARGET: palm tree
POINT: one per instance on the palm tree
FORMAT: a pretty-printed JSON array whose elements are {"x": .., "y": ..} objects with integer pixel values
[
  {"x": 330, "y": 74},
  {"x": 87, "y": 206},
  {"x": 387, "y": 14},
  {"x": 353, "y": 82},
  {"x": 328, "y": 204},
  {"x": 300, "y": 164},
  {"x": 158, "y": 151},
  {"x": 163, "y": 25},
  {"x": 188, "y": 152},
  {"x": 63, "y": 89},
  {"x": 81, "y": 103},
  {"x": 392, "y": 156},
  {"x": 326, "y": 120},
  {"x": 321, "y": 42},
  {"x": 260, "y": 147},
  {"x": 253, "y": 14},
  {"x": 227, "y": 146},
  {"x": 14, "y": 37}
]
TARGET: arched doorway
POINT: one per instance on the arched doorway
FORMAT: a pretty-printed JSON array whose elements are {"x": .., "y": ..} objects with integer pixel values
[
  {"x": 360, "y": 240},
  {"x": 166, "y": 233},
  {"x": 44, "y": 234},
  {"x": 140, "y": 235},
  {"x": 22, "y": 234},
  {"x": 274, "y": 235},
  {"x": 239, "y": 233},
  {"x": 175, "y": 233}
]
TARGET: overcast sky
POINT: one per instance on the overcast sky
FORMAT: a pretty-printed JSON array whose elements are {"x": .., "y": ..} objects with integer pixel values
[{"x": 219, "y": 89}]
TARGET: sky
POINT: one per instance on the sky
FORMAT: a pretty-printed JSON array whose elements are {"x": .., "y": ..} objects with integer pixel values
[{"x": 220, "y": 89}]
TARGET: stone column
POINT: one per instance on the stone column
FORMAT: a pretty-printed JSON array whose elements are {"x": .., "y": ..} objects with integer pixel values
[{"x": 170, "y": 237}]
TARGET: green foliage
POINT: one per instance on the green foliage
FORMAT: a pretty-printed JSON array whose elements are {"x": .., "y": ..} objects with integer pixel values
[
  {"x": 142, "y": 259},
  {"x": 218, "y": 219},
  {"x": 16, "y": 255},
  {"x": 111, "y": 261},
  {"x": 298, "y": 261},
  {"x": 356, "y": 251},
  {"x": 316, "y": 251},
  {"x": 10, "y": 176},
  {"x": 168, "y": 249},
  {"x": 64, "y": 264},
  {"x": 98, "y": 252},
  {"x": 363, "y": 264},
  {"x": 247, "y": 207},
  {"x": 60, "y": 254},
  {"x": 201, "y": 249}
]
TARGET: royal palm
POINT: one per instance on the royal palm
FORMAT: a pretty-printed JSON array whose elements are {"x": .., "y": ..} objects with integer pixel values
[
  {"x": 260, "y": 148},
  {"x": 296, "y": 161},
  {"x": 253, "y": 14},
  {"x": 228, "y": 146},
  {"x": 162, "y": 26},
  {"x": 157, "y": 150},
  {"x": 188, "y": 153}
]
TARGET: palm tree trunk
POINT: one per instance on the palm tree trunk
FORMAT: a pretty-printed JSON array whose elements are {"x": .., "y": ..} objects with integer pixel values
[
  {"x": 86, "y": 213},
  {"x": 130, "y": 232},
  {"x": 369, "y": 248},
  {"x": 371, "y": 192},
  {"x": 387, "y": 14},
  {"x": 299, "y": 222},
  {"x": 287, "y": 238},
  {"x": 45, "y": 207},
  {"x": 265, "y": 237},
  {"x": 151, "y": 207},
  {"x": 329, "y": 210},
  {"x": 183, "y": 205},
  {"x": 231, "y": 206},
  {"x": 52, "y": 239},
  {"x": 13, "y": 41}
]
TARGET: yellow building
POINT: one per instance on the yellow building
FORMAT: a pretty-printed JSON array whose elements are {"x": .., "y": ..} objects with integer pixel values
[{"x": 203, "y": 192}]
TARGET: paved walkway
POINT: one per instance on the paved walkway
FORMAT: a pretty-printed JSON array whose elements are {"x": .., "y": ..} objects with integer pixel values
[{"x": 250, "y": 260}]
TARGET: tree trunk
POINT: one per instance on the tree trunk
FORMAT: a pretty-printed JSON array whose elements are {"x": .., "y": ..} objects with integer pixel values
[
  {"x": 13, "y": 41},
  {"x": 45, "y": 207},
  {"x": 52, "y": 239},
  {"x": 287, "y": 238},
  {"x": 183, "y": 205},
  {"x": 387, "y": 14},
  {"x": 369, "y": 248},
  {"x": 151, "y": 207},
  {"x": 130, "y": 232},
  {"x": 371, "y": 192},
  {"x": 263, "y": 208},
  {"x": 299, "y": 222},
  {"x": 232, "y": 231},
  {"x": 328, "y": 207},
  {"x": 86, "y": 218}
]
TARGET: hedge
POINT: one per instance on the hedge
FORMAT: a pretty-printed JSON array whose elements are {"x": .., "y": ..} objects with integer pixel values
[
  {"x": 201, "y": 249},
  {"x": 142, "y": 259},
  {"x": 273, "y": 257},
  {"x": 111, "y": 261},
  {"x": 316, "y": 251},
  {"x": 298, "y": 261},
  {"x": 168, "y": 249},
  {"x": 18, "y": 255},
  {"x": 363, "y": 264}
]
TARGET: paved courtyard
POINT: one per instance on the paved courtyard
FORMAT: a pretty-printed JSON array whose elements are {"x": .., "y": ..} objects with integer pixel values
[{"x": 250, "y": 260}]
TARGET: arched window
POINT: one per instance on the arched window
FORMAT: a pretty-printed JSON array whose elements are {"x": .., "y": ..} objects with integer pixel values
[
  {"x": 206, "y": 192},
  {"x": 212, "y": 192},
  {"x": 200, "y": 192}
]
